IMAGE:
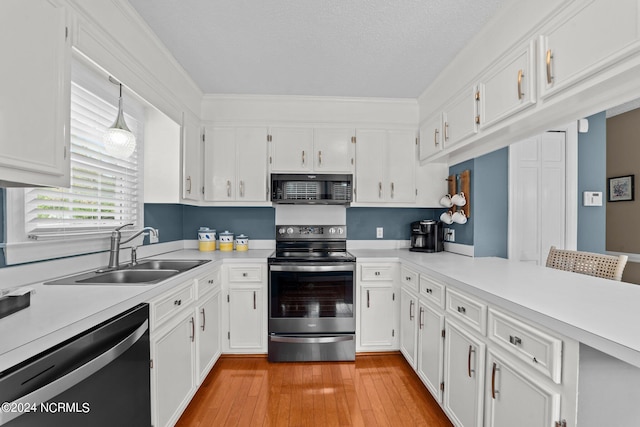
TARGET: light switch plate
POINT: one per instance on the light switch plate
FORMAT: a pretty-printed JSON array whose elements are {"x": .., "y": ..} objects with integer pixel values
[
  {"x": 592, "y": 198},
  {"x": 379, "y": 232}
]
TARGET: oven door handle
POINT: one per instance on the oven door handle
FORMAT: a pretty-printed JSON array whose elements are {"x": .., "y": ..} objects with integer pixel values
[
  {"x": 311, "y": 340},
  {"x": 313, "y": 268}
]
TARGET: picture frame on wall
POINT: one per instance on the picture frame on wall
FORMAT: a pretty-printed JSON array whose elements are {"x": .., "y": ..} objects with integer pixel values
[{"x": 621, "y": 188}]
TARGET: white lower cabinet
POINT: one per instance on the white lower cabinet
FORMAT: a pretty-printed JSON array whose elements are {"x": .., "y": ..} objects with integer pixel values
[
  {"x": 245, "y": 313},
  {"x": 173, "y": 354},
  {"x": 408, "y": 325},
  {"x": 464, "y": 363},
  {"x": 430, "y": 347},
  {"x": 377, "y": 309},
  {"x": 208, "y": 332},
  {"x": 515, "y": 396}
]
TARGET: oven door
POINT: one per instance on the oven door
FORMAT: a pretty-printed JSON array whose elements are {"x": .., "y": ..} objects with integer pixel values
[{"x": 311, "y": 298}]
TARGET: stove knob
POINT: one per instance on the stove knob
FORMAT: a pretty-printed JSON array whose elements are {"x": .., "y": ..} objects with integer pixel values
[
  {"x": 340, "y": 230},
  {"x": 281, "y": 230},
  {"x": 332, "y": 230},
  {"x": 289, "y": 230}
]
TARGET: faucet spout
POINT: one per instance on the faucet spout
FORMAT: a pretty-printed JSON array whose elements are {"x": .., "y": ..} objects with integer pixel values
[{"x": 116, "y": 241}]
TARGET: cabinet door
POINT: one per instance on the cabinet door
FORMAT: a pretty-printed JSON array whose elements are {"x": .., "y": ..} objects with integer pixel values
[
  {"x": 376, "y": 314},
  {"x": 245, "y": 319},
  {"x": 251, "y": 159},
  {"x": 580, "y": 42},
  {"x": 463, "y": 376},
  {"x": 35, "y": 101},
  {"x": 431, "y": 136},
  {"x": 459, "y": 118},
  {"x": 408, "y": 326},
  {"x": 508, "y": 88},
  {"x": 430, "y": 348},
  {"x": 516, "y": 397},
  {"x": 369, "y": 165},
  {"x": 174, "y": 382},
  {"x": 220, "y": 164},
  {"x": 401, "y": 166},
  {"x": 333, "y": 150},
  {"x": 208, "y": 333},
  {"x": 291, "y": 150},
  {"x": 191, "y": 159}
]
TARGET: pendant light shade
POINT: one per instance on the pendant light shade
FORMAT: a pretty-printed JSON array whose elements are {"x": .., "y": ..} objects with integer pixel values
[{"x": 118, "y": 139}]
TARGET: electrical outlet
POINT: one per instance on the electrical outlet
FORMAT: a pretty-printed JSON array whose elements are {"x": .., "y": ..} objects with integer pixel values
[
  {"x": 379, "y": 232},
  {"x": 154, "y": 238},
  {"x": 449, "y": 234}
]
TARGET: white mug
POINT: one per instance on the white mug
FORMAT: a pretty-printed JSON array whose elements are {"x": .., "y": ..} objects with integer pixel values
[
  {"x": 446, "y": 201},
  {"x": 459, "y": 217},
  {"x": 459, "y": 199},
  {"x": 446, "y": 217}
]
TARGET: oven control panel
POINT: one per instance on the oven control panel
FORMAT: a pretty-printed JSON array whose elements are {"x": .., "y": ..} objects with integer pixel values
[{"x": 314, "y": 232}]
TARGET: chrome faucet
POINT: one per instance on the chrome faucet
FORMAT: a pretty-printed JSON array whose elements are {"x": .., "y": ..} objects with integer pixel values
[{"x": 116, "y": 241}]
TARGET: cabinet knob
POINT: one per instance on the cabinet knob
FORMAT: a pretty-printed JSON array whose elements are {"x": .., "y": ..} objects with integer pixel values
[
  {"x": 462, "y": 310},
  {"x": 244, "y": 274},
  {"x": 177, "y": 302},
  {"x": 515, "y": 340}
]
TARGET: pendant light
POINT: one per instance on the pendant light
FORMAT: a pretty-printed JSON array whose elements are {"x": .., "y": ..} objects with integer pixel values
[{"x": 118, "y": 139}]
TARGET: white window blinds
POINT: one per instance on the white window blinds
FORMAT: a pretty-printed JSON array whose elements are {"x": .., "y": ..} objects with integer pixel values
[{"x": 104, "y": 189}]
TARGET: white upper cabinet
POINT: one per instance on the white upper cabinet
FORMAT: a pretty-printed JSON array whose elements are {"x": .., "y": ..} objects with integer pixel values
[
  {"x": 580, "y": 41},
  {"x": 459, "y": 118},
  {"x": 191, "y": 159},
  {"x": 235, "y": 164},
  {"x": 35, "y": 101},
  {"x": 333, "y": 150},
  {"x": 324, "y": 150},
  {"x": 385, "y": 166},
  {"x": 508, "y": 87},
  {"x": 431, "y": 136}
]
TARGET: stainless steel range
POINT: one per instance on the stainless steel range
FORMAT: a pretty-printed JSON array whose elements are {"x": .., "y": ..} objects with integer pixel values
[{"x": 311, "y": 295}]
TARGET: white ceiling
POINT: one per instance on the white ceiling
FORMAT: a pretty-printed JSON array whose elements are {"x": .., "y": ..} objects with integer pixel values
[{"x": 360, "y": 48}]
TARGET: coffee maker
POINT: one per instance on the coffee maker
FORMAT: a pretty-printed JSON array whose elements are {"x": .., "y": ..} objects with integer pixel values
[{"x": 427, "y": 236}]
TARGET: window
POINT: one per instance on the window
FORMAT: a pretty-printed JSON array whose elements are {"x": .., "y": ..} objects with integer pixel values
[{"x": 105, "y": 191}]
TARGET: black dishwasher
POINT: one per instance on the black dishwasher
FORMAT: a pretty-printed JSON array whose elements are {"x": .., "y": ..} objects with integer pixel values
[{"x": 100, "y": 377}]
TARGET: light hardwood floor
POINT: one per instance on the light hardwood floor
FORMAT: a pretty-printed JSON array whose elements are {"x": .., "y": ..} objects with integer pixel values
[{"x": 376, "y": 390}]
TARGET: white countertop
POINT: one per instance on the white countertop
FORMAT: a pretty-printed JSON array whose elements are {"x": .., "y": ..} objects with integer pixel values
[{"x": 603, "y": 314}]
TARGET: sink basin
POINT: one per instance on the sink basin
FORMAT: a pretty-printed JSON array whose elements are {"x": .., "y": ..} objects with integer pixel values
[
  {"x": 168, "y": 264},
  {"x": 130, "y": 277},
  {"x": 145, "y": 273}
]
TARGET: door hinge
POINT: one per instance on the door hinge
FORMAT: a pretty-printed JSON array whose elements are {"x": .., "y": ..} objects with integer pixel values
[
  {"x": 202, "y": 189},
  {"x": 270, "y": 160},
  {"x": 66, "y": 33},
  {"x": 443, "y": 333},
  {"x": 269, "y": 138},
  {"x": 416, "y": 191},
  {"x": 416, "y": 140},
  {"x": 442, "y": 386},
  {"x": 228, "y": 335},
  {"x": 203, "y": 138},
  {"x": 477, "y": 95},
  {"x": 478, "y": 119},
  {"x": 150, "y": 363},
  {"x": 393, "y": 296},
  {"x": 353, "y": 139},
  {"x": 228, "y": 298},
  {"x": 393, "y": 332},
  {"x": 562, "y": 423}
]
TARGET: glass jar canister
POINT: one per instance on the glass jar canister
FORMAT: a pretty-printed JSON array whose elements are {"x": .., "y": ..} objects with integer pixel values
[
  {"x": 226, "y": 241},
  {"x": 206, "y": 239}
]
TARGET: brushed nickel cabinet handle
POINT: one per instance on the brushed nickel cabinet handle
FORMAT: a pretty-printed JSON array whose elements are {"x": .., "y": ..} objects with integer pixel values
[
  {"x": 368, "y": 299},
  {"x": 493, "y": 381},
  {"x": 421, "y": 318},
  {"x": 520, "y": 76},
  {"x": 392, "y": 189},
  {"x": 446, "y": 131},
  {"x": 228, "y": 188},
  {"x": 193, "y": 329},
  {"x": 411, "y": 316},
  {"x": 254, "y": 301},
  {"x": 379, "y": 190},
  {"x": 436, "y": 134},
  {"x": 469, "y": 370},
  {"x": 241, "y": 188},
  {"x": 189, "y": 181},
  {"x": 204, "y": 319},
  {"x": 548, "y": 61},
  {"x": 320, "y": 158},
  {"x": 303, "y": 157}
]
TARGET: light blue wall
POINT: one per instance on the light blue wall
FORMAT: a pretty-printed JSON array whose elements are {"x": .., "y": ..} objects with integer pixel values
[
  {"x": 491, "y": 204},
  {"x": 592, "y": 176},
  {"x": 362, "y": 222}
]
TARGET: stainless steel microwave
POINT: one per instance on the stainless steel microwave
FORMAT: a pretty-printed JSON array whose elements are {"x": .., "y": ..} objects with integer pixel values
[{"x": 327, "y": 189}]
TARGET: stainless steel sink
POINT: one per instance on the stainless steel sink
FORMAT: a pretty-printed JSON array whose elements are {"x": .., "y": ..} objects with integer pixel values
[
  {"x": 145, "y": 273},
  {"x": 168, "y": 264}
]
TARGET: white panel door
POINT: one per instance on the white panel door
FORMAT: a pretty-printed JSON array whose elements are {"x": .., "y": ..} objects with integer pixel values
[
  {"x": 291, "y": 150},
  {"x": 400, "y": 167},
  {"x": 333, "y": 150},
  {"x": 220, "y": 164},
  {"x": 538, "y": 196},
  {"x": 191, "y": 159},
  {"x": 245, "y": 319},
  {"x": 430, "y": 348},
  {"x": 376, "y": 314},
  {"x": 251, "y": 161},
  {"x": 408, "y": 326},
  {"x": 459, "y": 118},
  {"x": 516, "y": 397},
  {"x": 208, "y": 333},
  {"x": 370, "y": 149},
  {"x": 35, "y": 100},
  {"x": 431, "y": 136}
]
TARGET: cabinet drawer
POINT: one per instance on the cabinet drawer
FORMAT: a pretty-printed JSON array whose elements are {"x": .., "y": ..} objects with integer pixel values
[
  {"x": 467, "y": 309},
  {"x": 536, "y": 348},
  {"x": 377, "y": 272},
  {"x": 245, "y": 273},
  {"x": 432, "y": 290},
  {"x": 167, "y": 305},
  {"x": 208, "y": 282},
  {"x": 409, "y": 278}
]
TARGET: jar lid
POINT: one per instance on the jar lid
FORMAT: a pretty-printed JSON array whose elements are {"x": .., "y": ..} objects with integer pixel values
[
  {"x": 226, "y": 233},
  {"x": 204, "y": 229},
  {"x": 242, "y": 236}
]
